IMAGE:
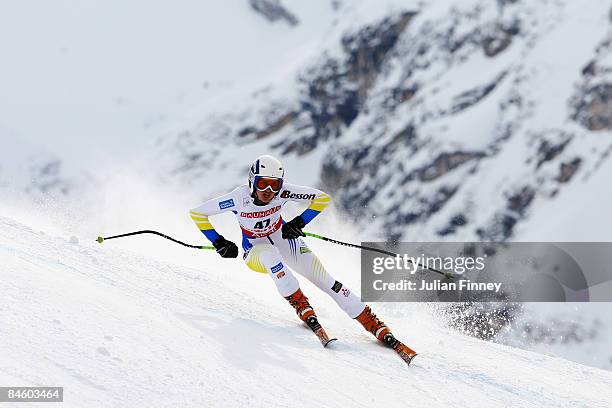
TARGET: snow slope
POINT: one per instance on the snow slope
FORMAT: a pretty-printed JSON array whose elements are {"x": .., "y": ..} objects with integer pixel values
[{"x": 119, "y": 329}]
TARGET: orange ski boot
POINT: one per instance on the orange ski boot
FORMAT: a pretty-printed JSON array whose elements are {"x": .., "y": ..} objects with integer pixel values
[
  {"x": 378, "y": 328},
  {"x": 307, "y": 315}
]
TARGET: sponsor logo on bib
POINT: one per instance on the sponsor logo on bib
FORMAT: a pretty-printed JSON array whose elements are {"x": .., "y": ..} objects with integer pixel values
[{"x": 260, "y": 214}]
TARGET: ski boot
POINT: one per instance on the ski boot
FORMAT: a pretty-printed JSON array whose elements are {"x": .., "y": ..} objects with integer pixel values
[
  {"x": 307, "y": 315},
  {"x": 378, "y": 328}
]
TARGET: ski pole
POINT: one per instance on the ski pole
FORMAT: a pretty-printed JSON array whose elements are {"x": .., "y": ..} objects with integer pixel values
[
  {"x": 102, "y": 239},
  {"x": 447, "y": 275},
  {"x": 310, "y": 234}
]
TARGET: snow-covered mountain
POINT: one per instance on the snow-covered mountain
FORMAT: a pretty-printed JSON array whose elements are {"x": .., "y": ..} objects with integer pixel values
[
  {"x": 31, "y": 170},
  {"x": 117, "y": 329},
  {"x": 460, "y": 120}
]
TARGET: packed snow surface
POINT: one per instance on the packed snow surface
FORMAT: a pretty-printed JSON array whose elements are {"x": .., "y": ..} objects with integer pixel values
[{"x": 116, "y": 328}]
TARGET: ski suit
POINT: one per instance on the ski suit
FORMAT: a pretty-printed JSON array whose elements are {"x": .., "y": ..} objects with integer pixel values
[{"x": 264, "y": 248}]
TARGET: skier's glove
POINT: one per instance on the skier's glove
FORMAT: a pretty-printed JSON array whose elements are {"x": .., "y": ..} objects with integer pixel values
[
  {"x": 225, "y": 248},
  {"x": 293, "y": 228}
]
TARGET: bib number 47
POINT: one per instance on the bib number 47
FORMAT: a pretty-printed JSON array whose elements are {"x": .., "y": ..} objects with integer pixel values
[{"x": 262, "y": 224}]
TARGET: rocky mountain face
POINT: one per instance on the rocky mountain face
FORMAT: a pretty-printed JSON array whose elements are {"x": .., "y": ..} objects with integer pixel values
[
  {"x": 273, "y": 11},
  {"x": 453, "y": 120}
]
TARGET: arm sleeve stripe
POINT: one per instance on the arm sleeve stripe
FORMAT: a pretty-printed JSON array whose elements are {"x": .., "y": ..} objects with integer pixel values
[
  {"x": 211, "y": 234},
  {"x": 308, "y": 215},
  {"x": 319, "y": 203},
  {"x": 317, "y": 206},
  {"x": 197, "y": 218},
  {"x": 322, "y": 198},
  {"x": 202, "y": 222},
  {"x": 204, "y": 225}
]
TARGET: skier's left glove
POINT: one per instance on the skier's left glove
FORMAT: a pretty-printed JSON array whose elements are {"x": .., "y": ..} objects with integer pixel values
[{"x": 293, "y": 228}]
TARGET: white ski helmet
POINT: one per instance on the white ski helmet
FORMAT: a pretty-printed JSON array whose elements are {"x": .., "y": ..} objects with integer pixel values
[{"x": 266, "y": 166}]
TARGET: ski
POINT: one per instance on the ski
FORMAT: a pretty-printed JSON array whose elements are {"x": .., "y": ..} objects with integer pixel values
[
  {"x": 402, "y": 350},
  {"x": 313, "y": 323},
  {"x": 324, "y": 338},
  {"x": 405, "y": 352}
]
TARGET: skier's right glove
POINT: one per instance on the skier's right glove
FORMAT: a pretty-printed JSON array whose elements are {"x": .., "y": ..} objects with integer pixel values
[{"x": 225, "y": 248}]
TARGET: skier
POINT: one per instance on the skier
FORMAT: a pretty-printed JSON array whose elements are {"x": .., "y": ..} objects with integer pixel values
[{"x": 275, "y": 247}]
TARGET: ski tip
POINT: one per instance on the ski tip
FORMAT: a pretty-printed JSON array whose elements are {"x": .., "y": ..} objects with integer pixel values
[
  {"x": 408, "y": 359},
  {"x": 329, "y": 342},
  {"x": 100, "y": 240}
]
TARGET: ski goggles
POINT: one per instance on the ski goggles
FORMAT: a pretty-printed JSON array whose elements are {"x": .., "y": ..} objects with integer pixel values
[{"x": 265, "y": 183}]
